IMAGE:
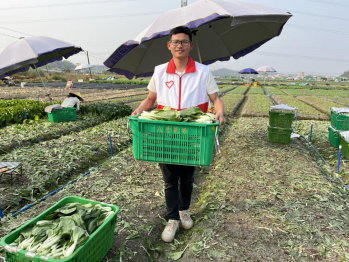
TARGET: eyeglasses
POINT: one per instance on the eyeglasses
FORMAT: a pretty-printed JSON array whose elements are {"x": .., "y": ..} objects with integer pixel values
[{"x": 183, "y": 42}]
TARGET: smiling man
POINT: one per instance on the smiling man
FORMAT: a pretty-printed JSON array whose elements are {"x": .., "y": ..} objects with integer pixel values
[{"x": 180, "y": 83}]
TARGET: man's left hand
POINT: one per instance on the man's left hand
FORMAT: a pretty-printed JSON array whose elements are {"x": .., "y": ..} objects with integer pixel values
[{"x": 219, "y": 117}]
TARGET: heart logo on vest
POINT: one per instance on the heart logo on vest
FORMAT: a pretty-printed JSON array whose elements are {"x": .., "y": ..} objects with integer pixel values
[{"x": 169, "y": 84}]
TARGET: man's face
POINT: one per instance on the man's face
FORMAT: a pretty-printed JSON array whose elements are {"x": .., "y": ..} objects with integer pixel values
[{"x": 180, "y": 51}]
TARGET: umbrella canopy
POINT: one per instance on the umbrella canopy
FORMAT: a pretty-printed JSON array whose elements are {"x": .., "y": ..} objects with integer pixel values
[
  {"x": 266, "y": 69},
  {"x": 83, "y": 66},
  {"x": 221, "y": 29},
  {"x": 33, "y": 52},
  {"x": 248, "y": 71}
]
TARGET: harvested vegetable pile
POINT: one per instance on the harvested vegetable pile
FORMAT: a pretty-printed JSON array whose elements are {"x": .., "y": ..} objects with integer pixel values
[
  {"x": 63, "y": 231},
  {"x": 191, "y": 114}
]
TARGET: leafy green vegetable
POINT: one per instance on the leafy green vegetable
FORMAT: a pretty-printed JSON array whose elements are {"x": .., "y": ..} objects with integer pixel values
[
  {"x": 191, "y": 114},
  {"x": 60, "y": 237}
]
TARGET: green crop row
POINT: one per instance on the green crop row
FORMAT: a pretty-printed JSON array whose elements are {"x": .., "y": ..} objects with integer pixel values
[
  {"x": 108, "y": 111},
  {"x": 231, "y": 102},
  {"x": 239, "y": 90},
  {"x": 319, "y": 92},
  {"x": 257, "y": 105},
  {"x": 17, "y": 135},
  {"x": 13, "y": 111},
  {"x": 304, "y": 111},
  {"x": 256, "y": 91},
  {"x": 123, "y": 81},
  {"x": 320, "y": 104},
  {"x": 48, "y": 164},
  {"x": 276, "y": 91}
]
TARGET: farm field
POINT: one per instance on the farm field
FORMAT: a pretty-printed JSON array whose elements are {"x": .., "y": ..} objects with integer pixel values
[
  {"x": 317, "y": 92},
  {"x": 257, "y": 105},
  {"x": 239, "y": 90},
  {"x": 257, "y": 201},
  {"x": 58, "y": 94},
  {"x": 320, "y": 104},
  {"x": 256, "y": 91},
  {"x": 232, "y": 102},
  {"x": 304, "y": 111},
  {"x": 243, "y": 200},
  {"x": 274, "y": 90}
]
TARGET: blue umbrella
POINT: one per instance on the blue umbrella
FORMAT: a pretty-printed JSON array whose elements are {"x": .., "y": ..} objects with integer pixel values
[{"x": 248, "y": 71}]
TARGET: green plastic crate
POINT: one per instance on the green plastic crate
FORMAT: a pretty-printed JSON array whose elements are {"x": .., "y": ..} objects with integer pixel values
[
  {"x": 345, "y": 147},
  {"x": 333, "y": 136},
  {"x": 95, "y": 248},
  {"x": 62, "y": 115},
  {"x": 168, "y": 142},
  {"x": 339, "y": 121},
  {"x": 280, "y": 119},
  {"x": 279, "y": 135}
]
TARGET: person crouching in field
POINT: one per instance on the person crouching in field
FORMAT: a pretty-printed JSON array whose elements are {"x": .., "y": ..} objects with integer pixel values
[
  {"x": 193, "y": 84},
  {"x": 73, "y": 100}
]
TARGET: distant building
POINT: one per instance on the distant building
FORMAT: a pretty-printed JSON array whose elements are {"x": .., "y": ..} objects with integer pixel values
[{"x": 301, "y": 75}]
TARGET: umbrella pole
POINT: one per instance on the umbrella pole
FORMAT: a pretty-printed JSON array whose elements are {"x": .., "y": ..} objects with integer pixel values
[
  {"x": 88, "y": 60},
  {"x": 47, "y": 93}
]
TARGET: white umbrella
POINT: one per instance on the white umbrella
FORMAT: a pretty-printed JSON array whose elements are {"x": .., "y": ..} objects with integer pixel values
[
  {"x": 34, "y": 52},
  {"x": 265, "y": 69},
  {"x": 221, "y": 29},
  {"x": 83, "y": 66}
]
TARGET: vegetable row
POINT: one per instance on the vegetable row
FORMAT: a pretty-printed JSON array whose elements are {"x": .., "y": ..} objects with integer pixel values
[{"x": 51, "y": 163}]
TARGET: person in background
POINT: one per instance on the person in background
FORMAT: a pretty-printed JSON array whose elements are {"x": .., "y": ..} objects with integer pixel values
[
  {"x": 69, "y": 84},
  {"x": 180, "y": 83},
  {"x": 73, "y": 100}
]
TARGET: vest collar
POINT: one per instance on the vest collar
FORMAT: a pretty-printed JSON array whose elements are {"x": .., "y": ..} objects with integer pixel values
[{"x": 190, "y": 68}]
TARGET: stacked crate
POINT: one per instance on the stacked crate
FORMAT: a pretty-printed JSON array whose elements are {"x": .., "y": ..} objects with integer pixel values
[
  {"x": 336, "y": 131},
  {"x": 339, "y": 123},
  {"x": 344, "y": 141},
  {"x": 280, "y": 124}
]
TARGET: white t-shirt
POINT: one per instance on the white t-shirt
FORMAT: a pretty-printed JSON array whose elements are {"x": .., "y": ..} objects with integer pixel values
[
  {"x": 211, "y": 84},
  {"x": 71, "y": 102}
]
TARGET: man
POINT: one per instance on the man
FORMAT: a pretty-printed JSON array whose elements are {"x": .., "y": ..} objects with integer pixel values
[
  {"x": 73, "y": 100},
  {"x": 180, "y": 83}
]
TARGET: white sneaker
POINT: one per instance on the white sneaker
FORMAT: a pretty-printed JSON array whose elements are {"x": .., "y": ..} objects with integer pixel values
[
  {"x": 170, "y": 231},
  {"x": 187, "y": 222}
]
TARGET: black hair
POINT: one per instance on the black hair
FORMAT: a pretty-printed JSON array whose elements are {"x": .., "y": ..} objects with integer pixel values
[{"x": 181, "y": 30}]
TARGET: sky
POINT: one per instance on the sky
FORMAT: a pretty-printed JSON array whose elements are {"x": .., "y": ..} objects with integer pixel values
[{"x": 313, "y": 41}]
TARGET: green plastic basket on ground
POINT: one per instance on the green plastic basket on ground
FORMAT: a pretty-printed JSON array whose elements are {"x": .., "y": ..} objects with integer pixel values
[
  {"x": 93, "y": 250},
  {"x": 168, "y": 142},
  {"x": 339, "y": 121},
  {"x": 333, "y": 137},
  {"x": 279, "y": 135},
  {"x": 281, "y": 119},
  {"x": 62, "y": 115}
]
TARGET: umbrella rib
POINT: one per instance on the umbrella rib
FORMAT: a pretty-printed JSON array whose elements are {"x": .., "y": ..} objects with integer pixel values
[{"x": 226, "y": 49}]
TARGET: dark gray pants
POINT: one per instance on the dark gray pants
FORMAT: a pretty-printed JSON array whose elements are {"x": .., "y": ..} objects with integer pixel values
[{"x": 178, "y": 188}]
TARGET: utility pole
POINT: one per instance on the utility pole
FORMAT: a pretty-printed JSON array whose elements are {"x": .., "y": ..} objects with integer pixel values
[
  {"x": 184, "y": 3},
  {"x": 88, "y": 60}
]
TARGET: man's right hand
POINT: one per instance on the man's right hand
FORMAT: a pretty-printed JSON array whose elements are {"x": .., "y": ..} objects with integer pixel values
[{"x": 136, "y": 112}]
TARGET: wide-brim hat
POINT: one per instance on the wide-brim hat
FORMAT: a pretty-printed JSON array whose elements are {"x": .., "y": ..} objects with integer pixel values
[{"x": 78, "y": 95}]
